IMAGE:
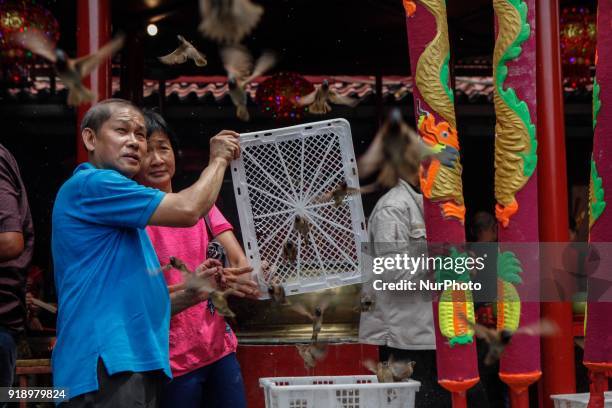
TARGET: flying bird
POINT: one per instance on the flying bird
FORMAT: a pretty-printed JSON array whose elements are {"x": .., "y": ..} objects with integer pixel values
[
  {"x": 366, "y": 304},
  {"x": 312, "y": 353},
  {"x": 316, "y": 316},
  {"x": 70, "y": 71},
  {"x": 400, "y": 150},
  {"x": 276, "y": 291},
  {"x": 198, "y": 281},
  {"x": 277, "y": 294},
  {"x": 397, "y": 152},
  {"x": 238, "y": 64},
  {"x": 391, "y": 370},
  {"x": 185, "y": 51},
  {"x": 228, "y": 21},
  {"x": 318, "y": 100},
  {"x": 498, "y": 339}
]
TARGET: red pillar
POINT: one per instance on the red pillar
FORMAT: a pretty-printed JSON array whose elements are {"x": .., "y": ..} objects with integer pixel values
[
  {"x": 93, "y": 31},
  {"x": 557, "y": 352}
]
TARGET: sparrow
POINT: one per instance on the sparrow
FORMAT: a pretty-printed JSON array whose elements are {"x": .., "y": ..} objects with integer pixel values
[
  {"x": 391, "y": 370},
  {"x": 302, "y": 226},
  {"x": 343, "y": 190},
  {"x": 238, "y": 64},
  {"x": 276, "y": 291},
  {"x": 70, "y": 71},
  {"x": 290, "y": 251},
  {"x": 185, "y": 51},
  {"x": 498, "y": 340},
  {"x": 316, "y": 316},
  {"x": 219, "y": 299},
  {"x": 381, "y": 370},
  {"x": 198, "y": 282},
  {"x": 228, "y": 21},
  {"x": 398, "y": 151},
  {"x": 277, "y": 294},
  {"x": 366, "y": 303},
  {"x": 318, "y": 100},
  {"x": 312, "y": 353},
  {"x": 401, "y": 157}
]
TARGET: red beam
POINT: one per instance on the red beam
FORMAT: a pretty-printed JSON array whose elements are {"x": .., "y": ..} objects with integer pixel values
[
  {"x": 93, "y": 31},
  {"x": 557, "y": 352}
]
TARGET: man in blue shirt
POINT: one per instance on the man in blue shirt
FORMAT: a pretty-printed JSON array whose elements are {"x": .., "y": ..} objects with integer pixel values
[{"x": 114, "y": 308}]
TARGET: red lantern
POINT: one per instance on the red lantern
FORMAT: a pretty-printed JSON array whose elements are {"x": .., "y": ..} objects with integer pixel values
[
  {"x": 278, "y": 94},
  {"x": 19, "y": 16},
  {"x": 578, "y": 39}
]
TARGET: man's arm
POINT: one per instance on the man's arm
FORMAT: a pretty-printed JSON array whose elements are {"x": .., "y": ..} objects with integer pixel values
[
  {"x": 182, "y": 299},
  {"x": 185, "y": 208},
  {"x": 11, "y": 233},
  {"x": 11, "y": 245}
]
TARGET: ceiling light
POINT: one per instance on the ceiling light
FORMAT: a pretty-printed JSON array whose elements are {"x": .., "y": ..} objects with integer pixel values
[{"x": 152, "y": 30}]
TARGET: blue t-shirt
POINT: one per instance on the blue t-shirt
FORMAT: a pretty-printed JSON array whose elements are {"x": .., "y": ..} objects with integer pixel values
[{"x": 113, "y": 300}]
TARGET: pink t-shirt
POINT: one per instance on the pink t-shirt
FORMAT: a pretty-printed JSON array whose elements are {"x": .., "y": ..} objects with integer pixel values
[{"x": 198, "y": 335}]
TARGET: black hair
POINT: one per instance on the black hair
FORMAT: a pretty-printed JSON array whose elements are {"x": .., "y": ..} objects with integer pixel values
[
  {"x": 482, "y": 221},
  {"x": 100, "y": 112},
  {"x": 154, "y": 122}
]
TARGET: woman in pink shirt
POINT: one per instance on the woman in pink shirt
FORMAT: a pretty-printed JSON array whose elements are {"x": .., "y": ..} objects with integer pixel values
[{"x": 202, "y": 345}]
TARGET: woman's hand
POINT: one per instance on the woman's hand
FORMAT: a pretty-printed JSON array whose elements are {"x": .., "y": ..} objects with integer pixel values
[{"x": 239, "y": 280}]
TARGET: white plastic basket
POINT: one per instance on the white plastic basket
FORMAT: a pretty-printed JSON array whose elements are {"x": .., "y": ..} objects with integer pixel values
[
  {"x": 578, "y": 400},
  {"x": 358, "y": 391},
  {"x": 290, "y": 171}
]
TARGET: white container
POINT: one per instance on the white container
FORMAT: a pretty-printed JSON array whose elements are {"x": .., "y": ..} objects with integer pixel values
[
  {"x": 357, "y": 391},
  {"x": 578, "y": 400},
  {"x": 289, "y": 172}
]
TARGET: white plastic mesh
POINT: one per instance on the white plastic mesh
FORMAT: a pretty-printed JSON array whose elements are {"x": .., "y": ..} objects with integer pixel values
[
  {"x": 298, "y": 403},
  {"x": 348, "y": 398},
  {"x": 290, "y": 172}
]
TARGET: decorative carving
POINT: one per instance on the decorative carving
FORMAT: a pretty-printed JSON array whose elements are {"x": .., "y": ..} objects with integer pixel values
[
  {"x": 441, "y": 182},
  {"x": 515, "y": 143},
  {"x": 596, "y": 101},
  {"x": 410, "y": 7},
  {"x": 509, "y": 302},
  {"x": 455, "y": 306},
  {"x": 596, "y": 195},
  {"x": 432, "y": 73}
]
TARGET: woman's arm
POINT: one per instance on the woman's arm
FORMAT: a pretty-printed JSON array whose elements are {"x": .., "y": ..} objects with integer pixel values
[
  {"x": 237, "y": 276},
  {"x": 235, "y": 254}
]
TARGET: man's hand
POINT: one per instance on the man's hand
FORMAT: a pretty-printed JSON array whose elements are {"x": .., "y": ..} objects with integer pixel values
[
  {"x": 240, "y": 282},
  {"x": 225, "y": 145}
]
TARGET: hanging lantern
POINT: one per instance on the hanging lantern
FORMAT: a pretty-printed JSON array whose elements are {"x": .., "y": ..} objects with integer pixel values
[
  {"x": 578, "y": 36},
  {"x": 20, "y": 16},
  {"x": 278, "y": 94}
]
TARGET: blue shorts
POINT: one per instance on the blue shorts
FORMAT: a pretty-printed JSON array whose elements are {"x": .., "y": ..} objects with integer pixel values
[{"x": 217, "y": 385}]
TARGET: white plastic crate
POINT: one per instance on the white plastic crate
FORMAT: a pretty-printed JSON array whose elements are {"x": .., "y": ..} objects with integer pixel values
[
  {"x": 358, "y": 391},
  {"x": 578, "y": 400},
  {"x": 283, "y": 173}
]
